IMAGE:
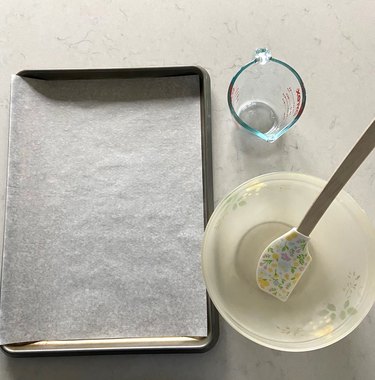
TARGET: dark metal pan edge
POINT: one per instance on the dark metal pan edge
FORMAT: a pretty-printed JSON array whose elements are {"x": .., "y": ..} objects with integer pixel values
[{"x": 201, "y": 344}]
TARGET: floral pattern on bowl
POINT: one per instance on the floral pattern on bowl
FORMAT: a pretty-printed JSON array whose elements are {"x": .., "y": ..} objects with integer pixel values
[{"x": 336, "y": 314}]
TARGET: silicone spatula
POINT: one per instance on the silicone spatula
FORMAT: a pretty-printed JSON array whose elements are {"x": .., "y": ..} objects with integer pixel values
[{"x": 286, "y": 259}]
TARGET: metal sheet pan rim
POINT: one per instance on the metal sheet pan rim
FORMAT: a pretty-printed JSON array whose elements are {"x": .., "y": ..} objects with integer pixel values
[{"x": 146, "y": 344}]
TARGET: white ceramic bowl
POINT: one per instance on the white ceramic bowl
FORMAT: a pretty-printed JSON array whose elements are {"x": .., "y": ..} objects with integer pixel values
[{"x": 335, "y": 293}]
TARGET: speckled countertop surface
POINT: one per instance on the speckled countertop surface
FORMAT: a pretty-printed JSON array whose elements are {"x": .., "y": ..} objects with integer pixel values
[{"x": 332, "y": 47}]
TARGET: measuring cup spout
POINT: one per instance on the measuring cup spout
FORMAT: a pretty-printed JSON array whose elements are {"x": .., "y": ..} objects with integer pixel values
[{"x": 263, "y": 55}]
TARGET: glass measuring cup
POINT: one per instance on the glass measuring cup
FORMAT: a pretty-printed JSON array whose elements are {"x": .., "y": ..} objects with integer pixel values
[{"x": 266, "y": 96}]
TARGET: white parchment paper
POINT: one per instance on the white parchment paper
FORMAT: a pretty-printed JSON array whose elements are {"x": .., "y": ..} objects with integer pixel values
[{"x": 104, "y": 214}]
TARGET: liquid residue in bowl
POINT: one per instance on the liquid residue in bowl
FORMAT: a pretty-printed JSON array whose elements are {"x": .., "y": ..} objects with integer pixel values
[{"x": 252, "y": 245}]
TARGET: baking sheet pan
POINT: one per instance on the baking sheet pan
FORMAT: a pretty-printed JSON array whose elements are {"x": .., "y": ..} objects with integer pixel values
[{"x": 139, "y": 344}]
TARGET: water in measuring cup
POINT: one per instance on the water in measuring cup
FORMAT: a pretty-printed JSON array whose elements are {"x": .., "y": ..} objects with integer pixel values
[{"x": 260, "y": 116}]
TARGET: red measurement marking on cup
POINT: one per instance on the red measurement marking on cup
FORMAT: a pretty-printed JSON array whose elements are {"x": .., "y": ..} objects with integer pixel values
[
  {"x": 298, "y": 96},
  {"x": 291, "y": 102},
  {"x": 235, "y": 94}
]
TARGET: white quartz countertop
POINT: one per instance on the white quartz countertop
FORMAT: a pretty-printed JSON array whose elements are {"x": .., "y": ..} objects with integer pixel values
[{"x": 329, "y": 43}]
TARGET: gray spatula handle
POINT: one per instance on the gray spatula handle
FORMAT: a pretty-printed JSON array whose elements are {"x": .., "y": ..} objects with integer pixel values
[{"x": 341, "y": 176}]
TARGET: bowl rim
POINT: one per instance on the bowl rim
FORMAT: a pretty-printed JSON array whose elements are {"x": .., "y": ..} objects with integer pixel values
[{"x": 285, "y": 346}]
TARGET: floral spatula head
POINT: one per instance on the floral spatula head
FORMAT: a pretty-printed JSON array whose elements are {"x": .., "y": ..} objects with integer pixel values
[{"x": 283, "y": 263}]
